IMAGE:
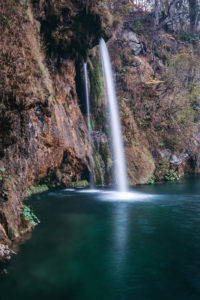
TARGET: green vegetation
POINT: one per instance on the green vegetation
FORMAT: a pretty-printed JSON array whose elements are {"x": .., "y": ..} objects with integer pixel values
[
  {"x": 93, "y": 124},
  {"x": 96, "y": 90},
  {"x": 3, "y": 177},
  {"x": 79, "y": 183},
  {"x": 7, "y": 20},
  {"x": 24, "y": 5},
  {"x": 36, "y": 189},
  {"x": 22, "y": 2},
  {"x": 29, "y": 215},
  {"x": 151, "y": 180},
  {"x": 96, "y": 156},
  {"x": 134, "y": 143},
  {"x": 106, "y": 157},
  {"x": 127, "y": 8},
  {"x": 3, "y": 174},
  {"x": 124, "y": 72},
  {"x": 96, "y": 80},
  {"x": 139, "y": 27},
  {"x": 190, "y": 36},
  {"x": 126, "y": 99},
  {"x": 42, "y": 71},
  {"x": 109, "y": 164},
  {"x": 144, "y": 123},
  {"x": 194, "y": 96},
  {"x": 164, "y": 165},
  {"x": 161, "y": 144},
  {"x": 82, "y": 133},
  {"x": 179, "y": 107},
  {"x": 166, "y": 172},
  {"x": 172, "y": 176}
]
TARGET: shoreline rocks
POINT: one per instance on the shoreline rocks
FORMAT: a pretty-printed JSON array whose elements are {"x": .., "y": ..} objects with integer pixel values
[{"x": 5, "y": 252}]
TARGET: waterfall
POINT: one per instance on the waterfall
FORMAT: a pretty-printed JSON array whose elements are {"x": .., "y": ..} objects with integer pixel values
[
  {"x": 88, "y": 123},
  {"x": 120, "y": 173}
]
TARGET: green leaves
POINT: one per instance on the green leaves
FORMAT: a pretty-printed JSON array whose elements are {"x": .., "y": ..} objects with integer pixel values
[
  {"x": 30, "y": 216},
  {"x": 36, "y": 189},
  {"x": 2, "y": 169},
  {"x": 22, "y": 2},
  {"x": 3, "y": 176},
  {"x": 172, "y": 176},
  {"x": 151, "y": 180}
]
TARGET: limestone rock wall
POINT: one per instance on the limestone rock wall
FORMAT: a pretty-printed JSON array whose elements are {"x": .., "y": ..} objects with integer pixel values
[
  {"x": 157, "y": 79},
  {"x": 43, "y": 134}
]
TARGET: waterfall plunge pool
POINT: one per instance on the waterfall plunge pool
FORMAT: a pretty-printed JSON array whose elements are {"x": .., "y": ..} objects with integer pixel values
[{"x": 90, "y": 246}]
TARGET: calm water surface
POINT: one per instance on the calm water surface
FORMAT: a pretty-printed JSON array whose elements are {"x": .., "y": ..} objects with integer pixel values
[{"x": 90, "y": 246}]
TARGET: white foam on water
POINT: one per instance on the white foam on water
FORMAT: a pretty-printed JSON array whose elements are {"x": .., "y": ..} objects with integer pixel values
[
  {"x": 109, "y": 195},
  {"x": 124, "y": 196},
  {"x": 88, "y": 191}
]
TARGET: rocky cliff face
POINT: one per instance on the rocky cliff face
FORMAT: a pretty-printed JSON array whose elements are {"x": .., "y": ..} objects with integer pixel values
[
  {"x": 42, "y": 130},
  {"x": 158, "y": 87},
  {"x": 157, "y": 80}
]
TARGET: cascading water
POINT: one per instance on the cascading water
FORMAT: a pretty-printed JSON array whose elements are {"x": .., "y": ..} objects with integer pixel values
[
  {"x": 120, "y": 173},
  {"x": 88, "y": 122}
]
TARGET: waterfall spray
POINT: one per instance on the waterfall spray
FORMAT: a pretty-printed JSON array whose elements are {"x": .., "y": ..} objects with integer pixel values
[
  {"x": 120, "y": 173},
  {"x": 88, "y": 123}
]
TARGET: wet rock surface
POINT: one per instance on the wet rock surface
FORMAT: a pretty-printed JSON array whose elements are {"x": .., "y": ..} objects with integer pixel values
[{"x": 43, "y": 135}]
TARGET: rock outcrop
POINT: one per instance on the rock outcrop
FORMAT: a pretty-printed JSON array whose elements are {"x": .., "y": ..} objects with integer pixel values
[
  {"x": 158, "y": 83},
  {"x": 158, "y": 92},
  {"x": 43, "y": 135}
]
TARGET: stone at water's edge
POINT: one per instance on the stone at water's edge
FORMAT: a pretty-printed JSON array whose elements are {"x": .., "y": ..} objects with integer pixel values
[{"x": 5, "y": 252}]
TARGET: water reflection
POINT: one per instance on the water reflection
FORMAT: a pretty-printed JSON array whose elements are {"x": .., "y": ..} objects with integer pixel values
[{"x": 120, "y": 238}]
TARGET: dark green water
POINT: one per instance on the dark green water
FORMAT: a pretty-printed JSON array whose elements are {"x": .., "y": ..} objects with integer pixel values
[{"x": 89, "y": 248}]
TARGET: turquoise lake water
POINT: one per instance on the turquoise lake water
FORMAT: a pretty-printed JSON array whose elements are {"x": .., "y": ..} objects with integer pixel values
[{"x": 94, "y": 245}]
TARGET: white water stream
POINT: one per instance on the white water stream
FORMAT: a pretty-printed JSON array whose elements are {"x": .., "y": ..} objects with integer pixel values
[{"x": 120, "y": 172}]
